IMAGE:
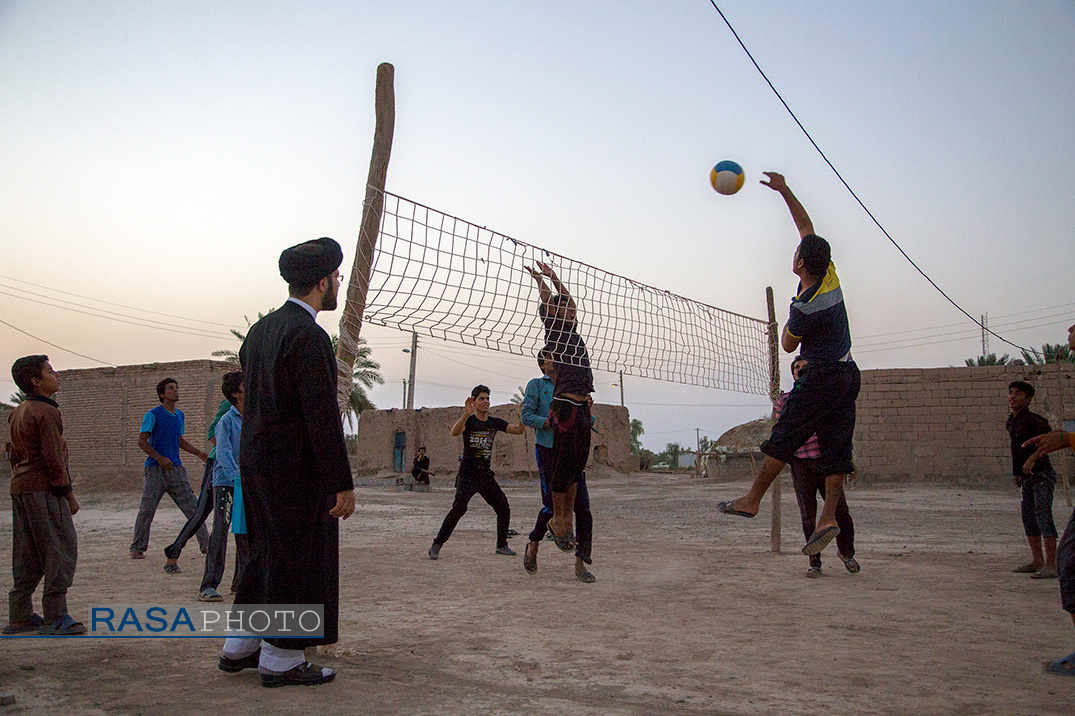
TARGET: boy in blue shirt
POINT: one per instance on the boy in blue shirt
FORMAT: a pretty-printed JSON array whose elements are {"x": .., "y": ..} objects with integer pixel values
[
  {"x": 225, "y": 475},
  {"x": 161, "y": 438}
]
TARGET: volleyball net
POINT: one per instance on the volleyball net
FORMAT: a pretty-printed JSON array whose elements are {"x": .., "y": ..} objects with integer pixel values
[{"x": 447, "y": 278}]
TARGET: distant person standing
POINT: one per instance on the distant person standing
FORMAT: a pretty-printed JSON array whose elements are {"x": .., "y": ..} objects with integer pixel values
[
  {"x": 1036, "y": 505},
  {"x": 420, "y": 468},
  {"x": 44, "y": 544},
  {"x": 161, "y": 438},
  {"x": 296, "y": 480}
]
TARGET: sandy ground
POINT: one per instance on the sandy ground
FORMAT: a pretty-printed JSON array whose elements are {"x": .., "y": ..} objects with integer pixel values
[{"x": 691, "y": 614}]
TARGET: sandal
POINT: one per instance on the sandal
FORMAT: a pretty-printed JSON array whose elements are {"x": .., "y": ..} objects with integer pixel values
[
  {"x": 210, "y": 595},
  {"x": 172, "y": 569},
  {"x": 850, "y": 563},
  {"x": 63, "y": 626},
  {"x": 813, "y": 572},
  {"x": 585, "y": 576},
  {"x": 529, "y": 562},
  {"x": 35, "y": 623},
  {"x": 1065, "y": 665}
]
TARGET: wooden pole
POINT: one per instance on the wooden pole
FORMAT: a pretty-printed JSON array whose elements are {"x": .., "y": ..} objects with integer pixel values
[
  {"x": 774, "y": 394},
  {"x": 355, "y": 306}
]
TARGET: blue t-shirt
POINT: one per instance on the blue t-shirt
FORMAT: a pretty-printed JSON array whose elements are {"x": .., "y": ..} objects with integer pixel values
[
  {"x": 164, "y": 430},
  {"x": 226, "y": 467},
  {"x": 818, "y": 319}
]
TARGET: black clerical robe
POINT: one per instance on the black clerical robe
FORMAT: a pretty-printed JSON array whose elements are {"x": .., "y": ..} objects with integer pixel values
[{"x": 293, "y": 461}]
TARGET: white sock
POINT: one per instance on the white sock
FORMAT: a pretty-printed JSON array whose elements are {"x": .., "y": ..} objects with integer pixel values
[
  {"x": 241, "y": 645},
  {"x": 279, "y": 660}
]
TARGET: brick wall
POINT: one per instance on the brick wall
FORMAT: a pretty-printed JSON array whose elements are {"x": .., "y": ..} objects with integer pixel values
[
  {"x": 103, "y": 409},
  {"x": 947, "y": 424}
]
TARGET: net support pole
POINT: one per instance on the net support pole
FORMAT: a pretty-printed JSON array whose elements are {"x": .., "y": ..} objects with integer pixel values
[
  {"x": 372, "y": 207},
  {"x": 774, "y": 394},
  {"x": 1062, "y": 461}
]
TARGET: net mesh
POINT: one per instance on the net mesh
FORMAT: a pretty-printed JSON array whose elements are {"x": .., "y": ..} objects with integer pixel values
[{"x": 447, "y": 278}]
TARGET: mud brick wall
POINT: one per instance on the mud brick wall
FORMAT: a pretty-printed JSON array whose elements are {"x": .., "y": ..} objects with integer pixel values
[
  {"x": 947, "y": 424},
  {"x": 103, "y": 409}
]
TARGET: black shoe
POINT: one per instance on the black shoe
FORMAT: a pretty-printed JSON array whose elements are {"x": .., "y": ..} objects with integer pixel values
[
  {"x": 434, "y": 551},
  {"x": 505, "y": 550},
  {"x": 305, "y": 674},
  {"x": 233, "y": 666}
]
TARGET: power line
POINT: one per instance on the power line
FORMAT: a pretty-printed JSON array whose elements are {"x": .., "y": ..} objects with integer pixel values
[
  {"x": 852, "y": 191},
  {"x": 49, "y": 343}
]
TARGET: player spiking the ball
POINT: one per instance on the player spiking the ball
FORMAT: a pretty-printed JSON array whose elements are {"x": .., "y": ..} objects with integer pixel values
[
  {"x": 823, "y": 398},
  {"x": 569, "y": 412}
]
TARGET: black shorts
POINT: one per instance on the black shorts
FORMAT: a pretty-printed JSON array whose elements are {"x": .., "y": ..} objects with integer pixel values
[
  {"x": 570, "y": 422},
  {"x": 822, "y": 402}
]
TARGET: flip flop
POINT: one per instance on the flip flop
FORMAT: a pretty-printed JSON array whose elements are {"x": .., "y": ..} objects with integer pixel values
[
  {"x": 1057, "y": 666},
  {"x": 63, "y": 626},
  {"x": 565, "y": 543},
  {"x": 586, "y": 577},
  {"x": 1026, "y": 569},
  {"x": 35, "y": 623},
  {"x": 529, "y": 562},
  {"x": 820, "y": 540},
  {"x": 850, "y": 563},
  {"x": 726, "y": 508}
]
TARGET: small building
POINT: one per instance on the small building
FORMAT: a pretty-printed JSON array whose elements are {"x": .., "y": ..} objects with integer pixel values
[{"x": 387, "y": 441}]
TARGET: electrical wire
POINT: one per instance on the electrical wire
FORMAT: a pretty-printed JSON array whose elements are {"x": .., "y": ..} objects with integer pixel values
[
  {"x": 852, "y": 191},
  {"x": 54, "y": 345}
]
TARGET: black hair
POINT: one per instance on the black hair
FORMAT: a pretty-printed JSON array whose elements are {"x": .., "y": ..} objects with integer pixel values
[
  {"x": 815, "y": 254},
  {"x": 543, "y": 355},
  {"x": 162, "y": 386},
  {"x": 231, "y": 384},
  {"x": 25, "y": 369},
  {"x": 298, "y": 290},
  {"x": 796, "y": 359},
  {"x": 478, "y": 390},
  {"x": 1027, "y": 388}
]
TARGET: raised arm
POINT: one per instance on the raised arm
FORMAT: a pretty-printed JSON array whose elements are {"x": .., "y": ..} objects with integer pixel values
[
  {"x": 516, "y": 428},
  {"x": 544, "y": 294},
  {"x": 798, "y": 213},
  {"x": 468, "y": 410}
]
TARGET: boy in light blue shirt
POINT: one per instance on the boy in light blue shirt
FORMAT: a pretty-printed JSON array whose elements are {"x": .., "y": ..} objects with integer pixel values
[{"x": 225, "y": 477}]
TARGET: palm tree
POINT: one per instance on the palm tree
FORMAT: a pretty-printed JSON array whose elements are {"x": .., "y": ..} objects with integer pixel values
[
  {"x": 366, "y": 372},
  {"x": 990, "y": 359},
  {"x": 1050, "y": 353},
  {"x": 17, "y": 397},
  {"x": 636, "y": 432}
]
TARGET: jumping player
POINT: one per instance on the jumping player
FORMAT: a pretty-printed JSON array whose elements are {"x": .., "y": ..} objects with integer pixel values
[
  {"x": 823, "y": 399},
  {"x": 570, "y": 409}
]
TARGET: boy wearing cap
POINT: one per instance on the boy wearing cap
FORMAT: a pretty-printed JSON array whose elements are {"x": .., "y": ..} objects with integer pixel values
[{"x": 1037, "y": 486}]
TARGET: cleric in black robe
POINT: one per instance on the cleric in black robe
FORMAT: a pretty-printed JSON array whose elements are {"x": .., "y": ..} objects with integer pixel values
[{"x": 293, "y": 464}]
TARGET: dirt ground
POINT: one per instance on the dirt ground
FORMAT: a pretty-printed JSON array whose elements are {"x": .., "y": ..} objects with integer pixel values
[{"x": 691, "y": 614}]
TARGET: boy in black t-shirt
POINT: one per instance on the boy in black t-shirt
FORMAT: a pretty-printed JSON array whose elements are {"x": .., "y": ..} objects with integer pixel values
[
  {"x": 1037, "y": 485},
  {"x": 475, "y": 470}
]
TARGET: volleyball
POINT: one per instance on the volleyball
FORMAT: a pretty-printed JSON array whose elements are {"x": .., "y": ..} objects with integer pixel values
[{"x": 727, "y": 177}]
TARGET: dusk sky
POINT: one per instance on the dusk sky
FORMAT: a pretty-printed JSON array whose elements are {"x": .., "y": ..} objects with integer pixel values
[{"x": 157, "y": 157}]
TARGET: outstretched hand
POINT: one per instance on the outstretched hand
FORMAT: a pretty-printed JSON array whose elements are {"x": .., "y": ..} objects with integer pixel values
[
  {"x": 468, "y": 406},
  {"x": 776, "y": 181}
]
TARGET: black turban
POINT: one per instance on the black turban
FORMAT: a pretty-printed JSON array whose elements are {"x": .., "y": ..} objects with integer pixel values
[{"x": 309, "y": 262}]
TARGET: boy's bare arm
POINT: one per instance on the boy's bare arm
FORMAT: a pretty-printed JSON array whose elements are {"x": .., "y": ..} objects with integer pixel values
[
  {"x": 143, "y": 443},
  {"x": 200, "y": 454},
  {"x": 798, "y": 213}
]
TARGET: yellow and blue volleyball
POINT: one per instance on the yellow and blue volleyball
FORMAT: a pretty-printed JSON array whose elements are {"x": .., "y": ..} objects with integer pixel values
[{"x": 727, "y": 177}]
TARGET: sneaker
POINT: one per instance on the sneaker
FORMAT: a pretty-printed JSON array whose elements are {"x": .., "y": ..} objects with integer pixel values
[
  {"x": 505, "y": 550},
  {"x": 434, "y": 551},
  {"x": 305, "y": 674},
  {"x": 233, "y": 666}
]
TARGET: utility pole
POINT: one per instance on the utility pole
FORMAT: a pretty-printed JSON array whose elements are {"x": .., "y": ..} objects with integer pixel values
[
  {"x": 404, "y": 393},
  {"x": 621, "y": 389},
  {"x": 698, "y": 452},
  {"x": 985, "y": 335},
  {"x": 414, "y": 364}
]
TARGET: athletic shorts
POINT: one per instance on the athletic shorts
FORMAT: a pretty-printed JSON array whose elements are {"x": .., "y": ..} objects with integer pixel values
[
  {"x": 822, "y": 402},
  {"x": 570, "y": 422}
]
